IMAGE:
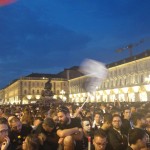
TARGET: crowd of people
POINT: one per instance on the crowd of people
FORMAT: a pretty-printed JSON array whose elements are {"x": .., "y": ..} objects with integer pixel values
[{"x": 67, "y": 126}]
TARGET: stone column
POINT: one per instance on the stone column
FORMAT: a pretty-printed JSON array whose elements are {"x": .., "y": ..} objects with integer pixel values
[{"x": 137, "y": 98}]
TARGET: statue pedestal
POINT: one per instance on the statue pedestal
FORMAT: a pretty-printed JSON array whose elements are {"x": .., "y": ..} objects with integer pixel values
[{"x": 47, "y": 95}]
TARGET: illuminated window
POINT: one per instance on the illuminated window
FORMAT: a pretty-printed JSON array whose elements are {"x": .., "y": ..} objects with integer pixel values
[{"x": 143, "y": 97}]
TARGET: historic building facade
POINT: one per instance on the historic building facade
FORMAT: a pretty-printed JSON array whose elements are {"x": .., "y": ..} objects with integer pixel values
[
  {"x": 127, "y": 80},
  {"x": 28, "y": 90}
]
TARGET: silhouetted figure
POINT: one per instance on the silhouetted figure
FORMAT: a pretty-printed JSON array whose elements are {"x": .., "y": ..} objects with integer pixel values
[{"x": 47, "y": 92}]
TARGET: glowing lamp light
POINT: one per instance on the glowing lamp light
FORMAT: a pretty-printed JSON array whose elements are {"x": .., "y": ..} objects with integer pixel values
[
  {"x": 88, "y": 94},
  {"x": 62, "y": 92},
  {"x": 82, "y": 99},
  {"x": 96, "y": 87},
  {"x": 37, "y": 97},
  {"x": 101, "y": 92},
  {"x": 116, "y": 91},
  {"x": 83, "y": 94},
  {"x": 70, "y": 96},
  {"x": 92, "y": 98},
  {"x": 97, "y": 96},
  {"x": 147, "y": 87},
  {"x": 29, "y": 97},
  {"x": 77, "y": 99},
  {"x": 136, "y": 89},
  {"x": 64, "y": 99},
  {"x": 55, "y": 96},
  {"x": 107, "y": 92},
  {"x": 75, "y": 95},
  {"x": 125, "y": 89}
]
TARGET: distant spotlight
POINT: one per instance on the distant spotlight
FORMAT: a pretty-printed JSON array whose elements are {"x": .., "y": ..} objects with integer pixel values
[{"x": 6, "y": 2}]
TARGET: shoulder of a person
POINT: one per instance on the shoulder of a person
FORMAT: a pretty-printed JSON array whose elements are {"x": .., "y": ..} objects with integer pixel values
[
  {"x": 39, "y": 128},
  {"x": 26, "y": 127},
  {"x": 76, "y": 119}
]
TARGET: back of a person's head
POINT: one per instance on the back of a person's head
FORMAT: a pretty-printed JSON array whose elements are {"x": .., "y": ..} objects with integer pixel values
[
  {"x": 13, "y": 119},
  {"x": 100, "y": 133},
  {"x": 125, "y": 108},
  {"x": 116, "y": 115},
  {"x": 3, "y": 121},
  {"x": 107, "y": 118},
  {"x": 7, "y": 111},
  {"x": 27, "y": 119},
  {"x": 38, "y": 118},
  {"x": 135, "y": 135},
  {"x": 136, "y": 116},
  {"x": 32, "y": 142},
  {"x": 63, "y": 109},
  {"x": 115, "y": 111},
  {"x": 97, "y": 113},
  {"x": 85, "y": 119},
  {"x": 49, "y": 122},
  {"x": 1, "y": 110}
]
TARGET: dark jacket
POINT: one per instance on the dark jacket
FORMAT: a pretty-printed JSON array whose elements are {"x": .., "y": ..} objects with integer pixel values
[{"x": 116, "y": 140}]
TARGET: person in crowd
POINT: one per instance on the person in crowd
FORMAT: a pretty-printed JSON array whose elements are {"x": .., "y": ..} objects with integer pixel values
[
  {"x": 87, "y": 132},
  {"x": 32, "y": 142},
  {"x": 6, "y": 113},
  {"x": 139, "y": 121},
  {"x": 126, "y": 123},
  {"x": 1, "y": 112},
  {"x": 148, "y": 124},
  {"x": 100, "y": 140},
  {"x": 18, "y": 133},
  {"x": 77, "y": 113},
  {"x": 137, "y": 139},
  {"x": 27, "y": 117},
  {"x": 36, "y": 122},
  {"x": 103, "y": 108},
  {"x": 48, "y": 130},
  {"x": 133, "y": 109},
  {"x": 88, "y": 114},
  {"x": 4, "y": 139},
  {"x": 9, "y": 118},
  {"x": 147, "y": 129},
  {"x": 116, "y": 137},
  {"x": 69, "y": 106},
  {"x": 97, "y": 121},
  {"x": 107, "y": 122},
  {"x": 116, "y": 111},
  {"x": 117, "y": 103},
  {"x": 70, "y": 129},
  {"x": 55, "y": 118}
]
